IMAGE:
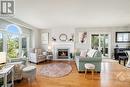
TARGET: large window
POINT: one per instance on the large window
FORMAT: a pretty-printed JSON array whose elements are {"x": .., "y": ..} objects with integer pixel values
[
  {"x": 13, "y": 46},
  {"x": 14, "y": 42}
]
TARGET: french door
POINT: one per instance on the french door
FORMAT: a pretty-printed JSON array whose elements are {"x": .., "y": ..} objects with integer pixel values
[{"x": 101, "y": 42}]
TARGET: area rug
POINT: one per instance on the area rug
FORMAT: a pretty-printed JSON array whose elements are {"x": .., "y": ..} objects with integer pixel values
[{"x": 55, "y": 69}]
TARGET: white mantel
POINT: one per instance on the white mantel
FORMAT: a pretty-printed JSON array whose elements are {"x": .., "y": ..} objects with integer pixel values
[{"x": 62, "y": 45}]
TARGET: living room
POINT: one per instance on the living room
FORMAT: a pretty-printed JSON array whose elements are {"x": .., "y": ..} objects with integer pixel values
[{"x": 72, "y": 43}]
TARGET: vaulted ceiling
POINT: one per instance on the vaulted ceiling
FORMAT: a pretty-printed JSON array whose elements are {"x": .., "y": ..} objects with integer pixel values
[{"x": 73, "y": 13}]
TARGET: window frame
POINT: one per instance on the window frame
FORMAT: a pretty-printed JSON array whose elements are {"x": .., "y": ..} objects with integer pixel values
[{"x": 116, "y": 38}]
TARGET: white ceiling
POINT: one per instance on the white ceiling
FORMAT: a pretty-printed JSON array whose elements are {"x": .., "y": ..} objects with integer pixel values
[{"x": 73, "y": 13}]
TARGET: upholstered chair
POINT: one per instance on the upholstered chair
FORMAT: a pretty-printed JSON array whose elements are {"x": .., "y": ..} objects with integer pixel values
[
  {"x": 18, "y": 66},
  {"x": 37, "y": 56}
]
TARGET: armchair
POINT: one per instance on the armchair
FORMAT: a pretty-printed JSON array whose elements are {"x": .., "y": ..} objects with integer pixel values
[
  {"x": 19, "y": 64},
  {"x": 37, "y": 56},
  {"x": 18, "y": 67}
]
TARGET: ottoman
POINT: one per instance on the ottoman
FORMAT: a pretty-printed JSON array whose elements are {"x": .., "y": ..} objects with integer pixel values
[{"x": 29, "y": 72}]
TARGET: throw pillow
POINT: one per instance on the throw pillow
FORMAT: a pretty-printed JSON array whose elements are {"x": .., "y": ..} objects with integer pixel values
[
  {"x": 91, "y": 53},
  {"x": 44, "y": 53},
  {"x": 39, "y": 51},
  {"x": 83, "y": 53}
]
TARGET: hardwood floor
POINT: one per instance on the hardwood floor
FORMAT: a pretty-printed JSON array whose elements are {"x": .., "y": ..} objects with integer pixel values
[{"x": 107, "y": 78}]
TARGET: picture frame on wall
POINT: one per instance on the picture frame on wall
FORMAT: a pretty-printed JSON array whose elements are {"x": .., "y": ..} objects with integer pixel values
[
  {"x": 45, "y": 38},
  {"x": 82, "y": 37}
]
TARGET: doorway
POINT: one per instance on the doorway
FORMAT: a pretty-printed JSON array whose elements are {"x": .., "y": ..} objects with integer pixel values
[{"x": 101, "y": 42}]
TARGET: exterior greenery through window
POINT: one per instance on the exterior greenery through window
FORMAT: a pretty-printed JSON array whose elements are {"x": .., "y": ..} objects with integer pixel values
[
  {"x": 100, "y": 42},
  {"x": 13, "y": 47},
  {"x": 13, "y": 41},
  {"x": 95, "y": 41}
]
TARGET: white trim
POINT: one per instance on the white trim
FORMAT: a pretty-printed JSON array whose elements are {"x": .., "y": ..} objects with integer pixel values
[{"x": 20, "y": 31}]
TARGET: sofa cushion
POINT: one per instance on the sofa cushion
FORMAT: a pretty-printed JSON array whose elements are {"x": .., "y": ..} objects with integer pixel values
[
  {"x": 83, "y": 53},
  {"x": 38, "y": 51},
  {"x": 97, "y": 54},
  {"x": 91, "y": 53}
]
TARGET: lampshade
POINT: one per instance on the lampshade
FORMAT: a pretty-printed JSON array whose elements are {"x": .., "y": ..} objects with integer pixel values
[
  {"x": 49, "y": 47},
  {"x": 2, "y": 57}
]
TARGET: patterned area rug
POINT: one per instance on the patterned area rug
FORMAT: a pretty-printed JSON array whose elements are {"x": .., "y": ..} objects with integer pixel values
[{"x": 56, "y": 69}]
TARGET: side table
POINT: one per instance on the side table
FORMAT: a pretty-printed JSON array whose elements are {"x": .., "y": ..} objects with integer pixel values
[{"x": 49, "y": 57}]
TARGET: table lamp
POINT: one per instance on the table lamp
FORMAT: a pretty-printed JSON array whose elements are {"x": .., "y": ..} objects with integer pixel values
[
  {"x": 2, "y": 59},
  {"x": 49, "y": 48}
]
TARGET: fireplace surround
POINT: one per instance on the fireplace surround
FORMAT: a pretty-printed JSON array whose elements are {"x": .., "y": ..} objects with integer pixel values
[
  {"x": 64, "y": 48},
  {"x": 63, "y": 53}
]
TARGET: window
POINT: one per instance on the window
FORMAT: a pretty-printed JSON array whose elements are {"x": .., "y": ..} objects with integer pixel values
[
  {"x": 95, "y": 41},
  {"x": 122, "y": 37},
  {"x": 1, "y": 42},
  {"x": 13, "y": 40},
  {"x": 24, "y": 46}
]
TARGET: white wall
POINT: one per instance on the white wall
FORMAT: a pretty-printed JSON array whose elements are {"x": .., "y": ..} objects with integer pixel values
[
  {"x": 55, "y": 32},
  {"x": 35, "y": 38},
  {"x": 62, "y": 30}
]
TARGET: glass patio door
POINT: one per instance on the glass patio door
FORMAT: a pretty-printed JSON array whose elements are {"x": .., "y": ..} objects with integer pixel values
[{"x": 100, "y": 42}]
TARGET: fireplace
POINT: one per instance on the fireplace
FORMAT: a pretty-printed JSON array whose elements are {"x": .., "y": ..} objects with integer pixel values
[
  {"x": 63, "y": 53},
  {"x": 62, "y": 50}
]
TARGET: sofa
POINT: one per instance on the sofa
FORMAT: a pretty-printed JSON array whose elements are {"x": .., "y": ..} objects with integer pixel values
[{"x": 92, "y": 56}]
